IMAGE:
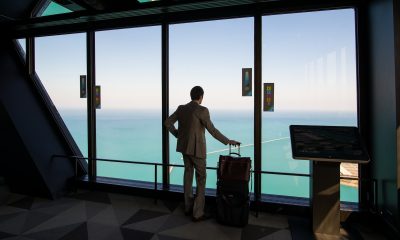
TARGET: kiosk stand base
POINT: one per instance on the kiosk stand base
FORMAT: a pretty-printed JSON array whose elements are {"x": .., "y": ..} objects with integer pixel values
[
  {"x": 326, "y": 147},
  {"x": 325, "y": 199}
]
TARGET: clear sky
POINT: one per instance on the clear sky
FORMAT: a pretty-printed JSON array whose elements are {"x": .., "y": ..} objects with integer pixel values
[{"x": 309, "y": 56}]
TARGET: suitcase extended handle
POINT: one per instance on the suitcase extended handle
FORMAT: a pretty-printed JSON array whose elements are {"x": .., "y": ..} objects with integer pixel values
[{"x": 233, "y": 153}]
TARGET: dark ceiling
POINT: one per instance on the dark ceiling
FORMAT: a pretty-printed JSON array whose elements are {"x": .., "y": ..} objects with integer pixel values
[
  {"x": 22, "y": 9},
  {"x": 93, "y": 15},
  {"x": 109, "y": 5},
  {"x": 16, "y": 10}
]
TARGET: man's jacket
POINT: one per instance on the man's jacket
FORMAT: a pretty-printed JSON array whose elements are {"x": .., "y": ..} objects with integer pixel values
[{"x": 193, "y": 119}]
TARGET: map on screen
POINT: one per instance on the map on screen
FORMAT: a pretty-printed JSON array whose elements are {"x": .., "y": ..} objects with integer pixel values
[{"x": 327, "y": 143}]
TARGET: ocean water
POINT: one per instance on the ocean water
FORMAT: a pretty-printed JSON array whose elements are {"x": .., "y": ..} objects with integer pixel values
[{"x": 136, "y": 136}]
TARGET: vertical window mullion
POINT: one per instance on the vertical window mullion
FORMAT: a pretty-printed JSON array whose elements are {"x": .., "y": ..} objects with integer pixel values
[
  {"x": 257, "y": 104},
  {"x": 165, "y": 103},
  {"x": 30, "y": 55},
  {"x": 91, "y": 83}
]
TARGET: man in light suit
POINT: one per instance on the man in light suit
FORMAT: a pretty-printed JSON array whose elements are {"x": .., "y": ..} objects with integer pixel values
[{"x": 193, "y": 119}]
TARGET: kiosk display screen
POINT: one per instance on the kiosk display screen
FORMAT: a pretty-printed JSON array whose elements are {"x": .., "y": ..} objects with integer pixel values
[{"x": 327, "y": 143}]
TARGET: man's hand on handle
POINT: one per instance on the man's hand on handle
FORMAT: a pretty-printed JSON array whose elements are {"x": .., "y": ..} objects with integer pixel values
[{"x": 234, "y": 143}]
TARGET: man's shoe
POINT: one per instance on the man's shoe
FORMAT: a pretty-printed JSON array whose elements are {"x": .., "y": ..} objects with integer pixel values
[{"x": 199, "y": 219}]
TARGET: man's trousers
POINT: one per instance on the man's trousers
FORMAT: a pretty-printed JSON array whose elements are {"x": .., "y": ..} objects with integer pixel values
[{"x": 199, "y": 165}]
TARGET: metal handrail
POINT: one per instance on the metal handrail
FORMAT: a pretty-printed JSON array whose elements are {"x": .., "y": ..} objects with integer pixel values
[
  {"x": 180, "y": 165},
  {"x": 125, "y": 161},
  {"x": 282, "y": 173},
  {"x": 211, "y": 168}
]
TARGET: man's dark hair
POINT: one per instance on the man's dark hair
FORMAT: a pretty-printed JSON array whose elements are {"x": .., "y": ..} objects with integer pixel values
[{"x": 196, "y": 93}]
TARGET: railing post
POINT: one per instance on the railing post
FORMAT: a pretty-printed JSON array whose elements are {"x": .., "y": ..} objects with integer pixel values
[
  {"x": 76, "y": 174},
  {"x": 155, "y": 183}
]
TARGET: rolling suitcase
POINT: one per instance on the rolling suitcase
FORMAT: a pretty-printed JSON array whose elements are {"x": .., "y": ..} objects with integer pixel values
[{"x": 233, "y": 201}]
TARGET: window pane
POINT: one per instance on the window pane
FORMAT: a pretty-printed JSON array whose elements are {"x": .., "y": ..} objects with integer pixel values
[
  {"x": 311, "y": 59},
  {"x": 22, "y": 44},
  {"x": 60, "y": 60},
  {"x": 128, "y": 69},
  {"x": 54, "y": 9},
  {"x": 211, "y": 55},
  {"x": 287, "y": 186}
]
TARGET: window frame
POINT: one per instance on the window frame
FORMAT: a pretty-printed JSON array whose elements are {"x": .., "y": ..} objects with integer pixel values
[{"x": 257, "y": 13}]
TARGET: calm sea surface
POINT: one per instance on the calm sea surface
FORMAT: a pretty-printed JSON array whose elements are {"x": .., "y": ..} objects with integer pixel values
[{"x": 136, "y": 136}]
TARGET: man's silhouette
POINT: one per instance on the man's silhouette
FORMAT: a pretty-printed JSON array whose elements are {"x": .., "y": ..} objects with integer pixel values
[{"x": 193, "y": 119}]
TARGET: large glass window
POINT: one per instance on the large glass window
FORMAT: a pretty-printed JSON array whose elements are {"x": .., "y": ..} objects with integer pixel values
[
  {"x": 22, "y": 44},
  {"x": 128, "y": 69},
  {"x": 54, "y": 8},
  {"x": 60, "y": 60},
  {"x": 311, "y": 59},
  {"x": 211, "y": 55}
]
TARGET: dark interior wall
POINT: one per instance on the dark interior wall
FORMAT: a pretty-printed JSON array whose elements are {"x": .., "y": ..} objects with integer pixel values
[
  {"x": 16, "y": 165},
  {"x": 34, "y": 136},
  {"x": 382, "y": 104}
]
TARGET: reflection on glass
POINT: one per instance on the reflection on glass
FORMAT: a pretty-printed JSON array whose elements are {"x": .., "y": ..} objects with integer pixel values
[
  {"x": 310, "y": 58},
  {"x": 212, "y": 55},
  {"x": 60, "y": 60},
  {"x": 54, "y": 9},
  {"x": 128, "y": 69}
]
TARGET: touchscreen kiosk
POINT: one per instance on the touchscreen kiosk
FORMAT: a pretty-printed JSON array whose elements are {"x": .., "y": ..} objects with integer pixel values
[
  {"x": 327, "y": 143},
  {"x": 326, "y": 147}
]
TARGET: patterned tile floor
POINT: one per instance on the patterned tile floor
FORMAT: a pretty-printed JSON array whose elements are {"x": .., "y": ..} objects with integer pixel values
[{"x": 98, "y": 215}]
